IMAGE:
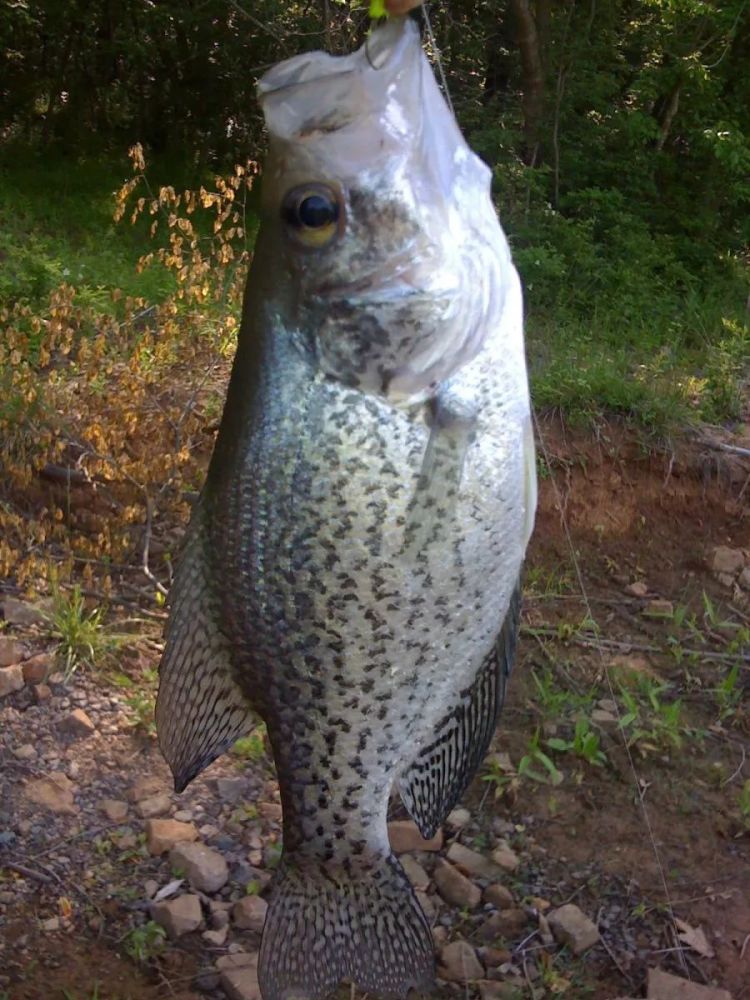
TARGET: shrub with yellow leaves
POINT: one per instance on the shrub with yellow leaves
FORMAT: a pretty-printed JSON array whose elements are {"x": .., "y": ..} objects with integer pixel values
[{"x": 107, "y": 415}]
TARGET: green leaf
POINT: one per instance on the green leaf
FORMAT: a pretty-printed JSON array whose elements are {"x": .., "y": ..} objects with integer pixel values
[{"x": 377, "y": 9}]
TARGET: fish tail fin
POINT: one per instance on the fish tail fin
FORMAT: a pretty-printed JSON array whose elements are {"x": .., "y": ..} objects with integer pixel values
[{"x": 363, "y": 924}]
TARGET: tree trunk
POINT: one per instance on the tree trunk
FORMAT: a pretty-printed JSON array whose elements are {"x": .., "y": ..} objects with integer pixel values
[{"x": 532, "y": 101}]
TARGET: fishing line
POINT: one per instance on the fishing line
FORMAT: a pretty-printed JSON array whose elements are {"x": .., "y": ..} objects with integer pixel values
[{"x": 639, "y": 786}]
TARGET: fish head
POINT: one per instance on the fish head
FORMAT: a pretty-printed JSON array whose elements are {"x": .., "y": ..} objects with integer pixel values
[{"x": 381, "y": 219}]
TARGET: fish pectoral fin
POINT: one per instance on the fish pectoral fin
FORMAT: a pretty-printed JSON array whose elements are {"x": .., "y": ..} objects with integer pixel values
[
  {"x": 200, "y": 711},
  {"x": 358, "y": 923},
  {"x": 434, "y": 782}
]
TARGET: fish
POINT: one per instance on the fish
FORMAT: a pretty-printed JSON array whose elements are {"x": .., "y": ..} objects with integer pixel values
[{"x": 351, "y": 570}]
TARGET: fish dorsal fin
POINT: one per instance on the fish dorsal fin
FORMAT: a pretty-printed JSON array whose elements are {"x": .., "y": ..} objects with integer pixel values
[
  {"x": 435, "y": 781},
  {"x": 200, "y": 711}
]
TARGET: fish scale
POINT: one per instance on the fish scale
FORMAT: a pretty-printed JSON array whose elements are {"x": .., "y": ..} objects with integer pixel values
[{"x": 351, "y": 569}]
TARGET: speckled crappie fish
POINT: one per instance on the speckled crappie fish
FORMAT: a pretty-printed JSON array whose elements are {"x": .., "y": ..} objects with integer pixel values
[{"x": 351, "y": 569}]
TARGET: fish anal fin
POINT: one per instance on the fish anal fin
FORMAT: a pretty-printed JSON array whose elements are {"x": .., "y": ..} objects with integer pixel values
[
  {"x": 200, "y": 711},
  {"x": 326, "y": 924},
  {"x": 434, "y": 782}
]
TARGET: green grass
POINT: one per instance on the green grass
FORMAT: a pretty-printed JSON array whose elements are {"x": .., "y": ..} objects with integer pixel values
[{"x": 56, "y": 225}]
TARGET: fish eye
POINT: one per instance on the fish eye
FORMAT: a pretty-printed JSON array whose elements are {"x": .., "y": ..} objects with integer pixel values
[{"x": 312, "y": 213}]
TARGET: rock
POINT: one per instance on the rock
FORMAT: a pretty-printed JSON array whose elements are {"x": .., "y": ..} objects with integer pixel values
[
  {"x": 54, "y": 793},
  {"x": 725, "y": 580},
  {"x": 114, "y": 810},
  {"x": 11, "y": 652},
  {"x": 499, "y": 897},
  {"x": 459, "y": 963},
  {"x": 154, "y": 805},
  {"x": 404, "y": 836},
  {"x": 238, "y": 976},
  {"x": 249, "y": 913},
  {"x": 270, "y": 810},
  {"x": 150, "y": 887},
  {"x": 219, "y": 919},
  {"x": 163, "y": 834},
  {"x": 205, "y": 869},
  {"x": 23, "y": 613},
  {"x": 637, "y": 589},
  {"x": 41, "y": 693},
  {"x": 415, "y": 872},
  {"x": 454, "y": 887},
  {"x": 37, "y": 668},
  {"x": 745, "y": 578},
  {"x": 603, "y": 719},
  {"x": 217, "y": 937},
  {"x": 184, "y": 815},
  {"x": 659, "y": 608},
  {"x": 472, "y": 862},
  {"x": 665, "y": 986},
  {"x": 231, "y": 789},
  {"x": 505, "y": 857},
  {"x": 492, "y": 957},
  {"x": 503, "y": 924},
  {"x": 178, "y": 916},
  {"x": 11, "y": 679},
  {"x": 726, "y": 560},
  {"x": 457, "y": 819},
  {"x": 145, "y": 787},
  {"x": 77, "y": 724},
  {"x": 25, "y": 752},
  {"x": 572, "y": 927},
  {"x": 51, "y": 924},
  {"x": 491, "y": 990}
]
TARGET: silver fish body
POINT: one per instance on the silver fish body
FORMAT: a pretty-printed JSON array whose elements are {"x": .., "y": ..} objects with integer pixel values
[{"x": 351, "y": 570}]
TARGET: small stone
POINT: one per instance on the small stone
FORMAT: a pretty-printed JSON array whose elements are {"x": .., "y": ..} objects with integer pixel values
[
  {"x": 154, "y": 805},
  {"x": 459, "y": 963},
  {"x": 270, "y": 810},
  {"x": 51, "y": 924},
  {"x": 745, "y": 578},
  {"x": 725, "y": 580},
  {"x": 637, "y": 589},
  {"x": 604, "y": 719},
  {"x": 572, "y": 927},
  {"x": 217, "y": 937},
  {"x": 115, "y": 810},
  {"x": 665, "y": 986},
  {"x": 457, "y": 819},
  {"x": 726, "y": 560},
  {"x": 607, "y": 704},
  {"x": 249, "y": 913},
  {"x": 415, "y": 872},
  {"x": 163, "y": 834},
  {"x": 25, "y": 752},
  {"x": 505, "y": 857},
  {"x": 41, "y": 693},
  {"x": 37, "y": 668},
  {"x": 17, "y": 612},
  {"x": 231, "y": 789},
  {"x": 489, "y": 989},
  {"x": 659, "y": 608},
  {"x": 54, "y": 793},
  {"x": 78, "y": 724},
  {"x": 404, "y": 837},
  {"x": 205, "y": 869},
  {"x": 499, "y": 897},
  {"x": 145, "y": 787},
  {"x": 219, "y": 919},
  {"x": 150, "y": 887},
  {"x": 11, "y": 679},
  {"x": 184, "y": 815},
  {"x": 240, "y": 980},
  {"x": 472, "y": 862},
  {"x": 503, "y": 924},
  {"x": 454, "y": 887},
  {"x": 11, "y": 652},
  {"x": 493, "y": 957},
  {"x": 178, "y": 916}
]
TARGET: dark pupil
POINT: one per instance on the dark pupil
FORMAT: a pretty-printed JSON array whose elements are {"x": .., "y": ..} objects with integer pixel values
[{"x": 316, "y": 210}]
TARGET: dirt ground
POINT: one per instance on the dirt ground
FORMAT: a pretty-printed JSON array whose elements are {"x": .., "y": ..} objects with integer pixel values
[{"x": 643, "y": 823}]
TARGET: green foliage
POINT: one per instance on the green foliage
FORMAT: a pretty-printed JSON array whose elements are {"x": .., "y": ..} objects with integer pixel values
[
  {"x": 145, "y": 943},
  {"x": 537, "y": 765},
  {"x": 584, "y": 744},
  {"x": 253, "y": 746},
  {"x": 83, "y": 637}
]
